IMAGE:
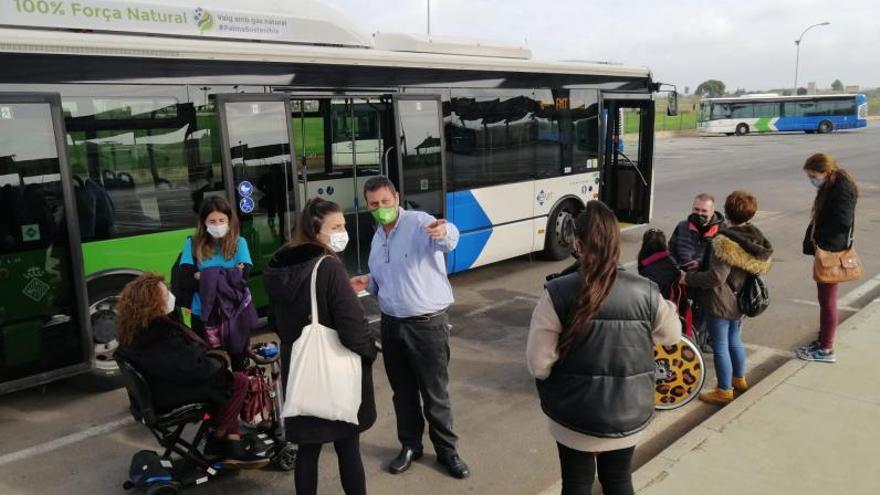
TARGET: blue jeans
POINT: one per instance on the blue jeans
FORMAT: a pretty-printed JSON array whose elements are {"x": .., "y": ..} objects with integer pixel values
[{"x": 730, "y": 354}]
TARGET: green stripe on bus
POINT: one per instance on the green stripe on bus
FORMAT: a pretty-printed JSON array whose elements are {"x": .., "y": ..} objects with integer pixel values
[
  {"x": 763, "y": 125},
  {"x": 146, "y": 253}
]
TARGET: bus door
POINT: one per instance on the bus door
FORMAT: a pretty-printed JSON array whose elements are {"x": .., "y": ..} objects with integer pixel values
[
  {"x": 256, "y": 143},
  {"x": 421, "y": 157},
  {"x": 44, "y": 329},
  {"x": 627, "y": 169},
  {"x": 340, "y": 142}
]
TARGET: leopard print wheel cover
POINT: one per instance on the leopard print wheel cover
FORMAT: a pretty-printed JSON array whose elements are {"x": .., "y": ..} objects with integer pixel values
[{"x": 679, "y": 373}]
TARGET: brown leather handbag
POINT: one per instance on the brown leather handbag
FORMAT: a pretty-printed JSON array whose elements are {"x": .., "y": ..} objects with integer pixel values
[{"x": 830, "y": 267}]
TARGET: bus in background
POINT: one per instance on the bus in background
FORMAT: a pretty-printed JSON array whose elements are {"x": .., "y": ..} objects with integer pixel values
[
  {"x": 773, "y": 113},
  {"x": 113, "y": 131}
]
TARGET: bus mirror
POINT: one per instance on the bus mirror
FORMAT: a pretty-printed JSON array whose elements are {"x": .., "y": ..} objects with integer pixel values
[{"x": 672, "y": 104}]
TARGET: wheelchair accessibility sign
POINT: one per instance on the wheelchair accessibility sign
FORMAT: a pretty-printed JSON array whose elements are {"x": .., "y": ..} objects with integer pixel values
[
  {"x": 245, "y": 189},
  {"x": 246, "y": 205}
]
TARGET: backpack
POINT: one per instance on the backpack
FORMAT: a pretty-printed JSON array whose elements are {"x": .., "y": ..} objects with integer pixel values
[
  {"x": 183, "y": 298},
  {"x": 754, "y": 296},
  {"x": 176, "y": 275}
]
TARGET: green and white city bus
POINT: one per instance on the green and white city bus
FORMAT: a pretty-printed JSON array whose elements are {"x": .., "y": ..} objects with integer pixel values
[{"x": 118, "y": 118}]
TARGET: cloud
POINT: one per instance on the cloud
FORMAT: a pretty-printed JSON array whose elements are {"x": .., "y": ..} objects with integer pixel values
[{"x": 745, "y": 43}]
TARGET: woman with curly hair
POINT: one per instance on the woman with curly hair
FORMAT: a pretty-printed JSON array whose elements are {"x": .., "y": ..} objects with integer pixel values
[{"x": 180, "y": 368}]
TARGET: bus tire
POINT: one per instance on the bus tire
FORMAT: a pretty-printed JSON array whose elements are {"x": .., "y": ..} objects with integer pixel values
[
  {"x": 559, "y": 243},
  {"x": 825, "y": 127},
  {"x": 742, "y": 129},
  {"x": 103, "y": 296}
]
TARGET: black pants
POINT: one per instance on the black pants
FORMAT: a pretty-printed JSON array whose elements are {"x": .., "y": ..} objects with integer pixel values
[
  {"x": 579, "y": 471},
  {"x": 416, "y": 355},
  {"x": 351, "y": 468}
]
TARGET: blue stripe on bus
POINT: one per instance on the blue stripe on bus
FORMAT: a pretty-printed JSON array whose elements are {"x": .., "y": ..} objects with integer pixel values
[
  {"x": 466, "y": 212},
  {"x": 812, "y": 123},
  {"x": 470, "y": 245}
]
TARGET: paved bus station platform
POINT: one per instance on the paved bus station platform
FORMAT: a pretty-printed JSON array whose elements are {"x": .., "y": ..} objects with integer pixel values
[{"x": 808, "y": 428}]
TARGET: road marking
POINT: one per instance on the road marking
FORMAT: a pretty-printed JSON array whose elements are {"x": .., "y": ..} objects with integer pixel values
[
  {"x": 860, "y": 291},
  {"x": 840, "y": 307},
  {"x": 490, "y": 307},
  {"x": 64, "y": 441}
]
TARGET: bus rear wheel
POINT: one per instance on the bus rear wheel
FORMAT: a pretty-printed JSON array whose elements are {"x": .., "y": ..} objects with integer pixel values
[
  {"x": 825, "y": 127},
  {"x": 560, "y": 231},
  {"x": 742, "y": 129}
]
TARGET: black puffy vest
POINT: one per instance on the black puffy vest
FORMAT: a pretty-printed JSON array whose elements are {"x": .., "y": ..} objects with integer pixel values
[{"x": 604, "y": 385}]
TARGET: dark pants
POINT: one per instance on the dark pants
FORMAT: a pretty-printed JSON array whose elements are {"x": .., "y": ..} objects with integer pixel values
[
  {"x": 416, "y": 355},
  {"x": 579, "y": 471},
  {"x": 351, "y": 468},
  {"x": 227, "y": 415},
  {"x": 827, "y": 314}
]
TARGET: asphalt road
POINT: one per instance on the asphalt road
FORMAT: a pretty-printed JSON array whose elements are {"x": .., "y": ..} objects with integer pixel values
[{"x": 71, "y": 437}]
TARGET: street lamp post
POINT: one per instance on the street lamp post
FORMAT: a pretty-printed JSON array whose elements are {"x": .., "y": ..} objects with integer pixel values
[
  {"x": 429, "y": 18},
  {"x": 797, "y": 59}
]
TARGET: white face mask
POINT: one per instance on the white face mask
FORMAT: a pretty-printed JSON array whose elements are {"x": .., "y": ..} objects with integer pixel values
[
  {"x": 170, "y": 300},
  {"x": 338, "y": 241},
  {"x": 218, "y": 231}
]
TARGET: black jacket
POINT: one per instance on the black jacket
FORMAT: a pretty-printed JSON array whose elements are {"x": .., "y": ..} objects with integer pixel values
[
  {"x": 835, "y": 220},
  {"x": 287, "y": 280},
  {"x": 604, "y": 385},
  {"x": 661, "y": 269},
  {"x": 691, "y": 241},
  {"x": 179, "y": 366}
]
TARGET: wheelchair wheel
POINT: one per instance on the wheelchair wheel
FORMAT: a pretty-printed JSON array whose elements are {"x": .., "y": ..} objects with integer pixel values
[
  {"x": 163, "y": 488},
  {"x": 678, "y": 374},
  {"x": 285, "y": 458}
]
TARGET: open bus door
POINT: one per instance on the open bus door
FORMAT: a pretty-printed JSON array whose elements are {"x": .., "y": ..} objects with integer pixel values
[
  {"x": 256, "y": 144},
  {"x": 44, "y": 328},
  {"x": 421, "y": 157},
  {"x": 627, "y": 168}
]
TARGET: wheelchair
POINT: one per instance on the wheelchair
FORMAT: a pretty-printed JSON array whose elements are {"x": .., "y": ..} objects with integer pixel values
[{"x": 183, "y": 460}]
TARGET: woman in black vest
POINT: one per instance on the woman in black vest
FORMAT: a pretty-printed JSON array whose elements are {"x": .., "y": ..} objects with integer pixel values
[
  {"x": 834, "y": 213},
  {"x": 591, "y": 339}
]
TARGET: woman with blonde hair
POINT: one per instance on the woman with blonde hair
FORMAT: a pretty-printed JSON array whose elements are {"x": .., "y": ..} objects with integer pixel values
[
  {"x": 180, "y": 368},
  {"x": 831, "y": 229}
]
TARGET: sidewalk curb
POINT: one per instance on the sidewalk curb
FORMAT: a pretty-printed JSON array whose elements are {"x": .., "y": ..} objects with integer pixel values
[{"x": 658, "y": 468}]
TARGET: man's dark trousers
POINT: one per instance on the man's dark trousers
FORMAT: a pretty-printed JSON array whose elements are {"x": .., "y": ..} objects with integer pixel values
[{"x": 416, "y": 355}]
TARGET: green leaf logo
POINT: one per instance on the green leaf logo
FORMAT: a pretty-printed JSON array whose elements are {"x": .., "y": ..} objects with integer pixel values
[{"x": 205, "y": 20}]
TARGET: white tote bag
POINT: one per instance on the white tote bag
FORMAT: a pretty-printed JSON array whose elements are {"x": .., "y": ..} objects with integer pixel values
[{"x": 325, "y": 378}]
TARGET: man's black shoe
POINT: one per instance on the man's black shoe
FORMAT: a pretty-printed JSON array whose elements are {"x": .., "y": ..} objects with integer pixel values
[
  {"x": 404, "y": 460},
  {"x": 456, "y": 467}
]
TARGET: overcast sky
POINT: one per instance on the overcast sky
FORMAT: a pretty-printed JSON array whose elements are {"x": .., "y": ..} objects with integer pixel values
[{"x": 746, "y": 43}]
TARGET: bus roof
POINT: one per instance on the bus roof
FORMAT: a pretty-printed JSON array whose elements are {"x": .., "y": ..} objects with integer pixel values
[
  {"x": 765, "y": 98},
  {"x": 264, "y": 31}
]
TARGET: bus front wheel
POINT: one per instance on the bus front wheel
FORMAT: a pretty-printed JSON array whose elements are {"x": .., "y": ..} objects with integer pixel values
[
  {"x": 742, "y": 129},
  {"x": 560, "y": 231},
  {"x": 103, "y": 296},
  {"x": 825, "y": 127}
]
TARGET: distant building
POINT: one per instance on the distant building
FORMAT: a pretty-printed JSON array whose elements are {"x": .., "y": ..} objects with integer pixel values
[
  {"x": 811, "y": 88},
  {"x": 851, "y": 90}
]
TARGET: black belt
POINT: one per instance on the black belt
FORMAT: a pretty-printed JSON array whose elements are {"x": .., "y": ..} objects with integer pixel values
[{"x": 424, "y": 317}]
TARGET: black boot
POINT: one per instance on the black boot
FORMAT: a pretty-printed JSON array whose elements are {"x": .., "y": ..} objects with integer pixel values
[{"x": 404, "y": 460}]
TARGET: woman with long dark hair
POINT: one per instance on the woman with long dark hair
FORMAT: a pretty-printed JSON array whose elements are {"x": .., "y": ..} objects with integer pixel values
[
  {"x": 591, "y": 349},
  {"x": 216, "y": 244},
  {"x": 320, "y": 233},
  {"x": 831, "y": 228}
]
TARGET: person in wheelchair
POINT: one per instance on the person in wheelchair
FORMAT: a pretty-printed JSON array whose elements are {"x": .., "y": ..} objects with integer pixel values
[{"x": 181, "y": 369}]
